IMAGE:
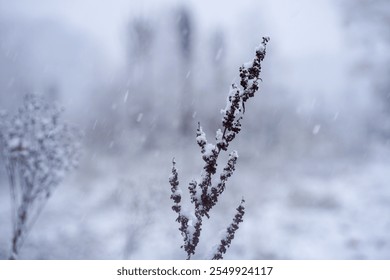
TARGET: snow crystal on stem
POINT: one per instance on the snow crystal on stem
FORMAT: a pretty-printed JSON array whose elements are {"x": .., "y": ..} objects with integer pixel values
[
  {"x": 209, "y": 150},
  {"x": 201, "y": 137},
  {"x": 248, "y": 64},
  {"x": 219, "y": 136}
]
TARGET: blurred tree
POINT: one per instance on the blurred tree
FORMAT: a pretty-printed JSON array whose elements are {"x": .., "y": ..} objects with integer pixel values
[
  {"x": 140, "y": 38},
  {"x": 141, "y": 80},
  {"x": 185, "y": 36},
  {"x": 141, "y": 34},
  {"x": 184, "y": 25},
  {"x": 368, "y": 24}
]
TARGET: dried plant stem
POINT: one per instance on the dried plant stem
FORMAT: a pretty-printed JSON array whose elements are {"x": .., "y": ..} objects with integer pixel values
[{"x": 204, "y": 195}]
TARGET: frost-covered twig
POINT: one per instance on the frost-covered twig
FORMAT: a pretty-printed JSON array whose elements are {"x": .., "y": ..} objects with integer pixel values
[
  {"x": 230, "y": 231},
  {"x": 38, "y": 150},
  {"x": 204, "y": 195}
]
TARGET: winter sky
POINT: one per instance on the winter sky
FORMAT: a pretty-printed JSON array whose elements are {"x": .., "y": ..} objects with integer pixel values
[{"x": 300, "y": 26}]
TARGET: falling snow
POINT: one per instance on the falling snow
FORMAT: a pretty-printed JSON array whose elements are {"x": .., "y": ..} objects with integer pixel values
[
  {"x": 314, "y": 147},
  {"x": 316, "y": 129}
]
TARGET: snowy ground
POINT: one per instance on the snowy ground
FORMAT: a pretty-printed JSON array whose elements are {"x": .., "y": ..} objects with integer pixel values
[{"x": 307, "y": 209}]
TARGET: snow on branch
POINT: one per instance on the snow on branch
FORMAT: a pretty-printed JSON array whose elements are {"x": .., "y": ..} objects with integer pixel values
[
  {"x": 230, "y": 231},
  {"x": 204, "y": 195}
]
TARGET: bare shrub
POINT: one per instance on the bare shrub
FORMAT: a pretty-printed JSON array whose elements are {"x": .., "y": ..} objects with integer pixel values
[{"x": 38, "y": 150}]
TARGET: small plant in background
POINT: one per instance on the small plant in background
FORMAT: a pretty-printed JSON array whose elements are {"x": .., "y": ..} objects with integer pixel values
[
  {"x": 38, "y": 150},
  {"x": 204, "y": 194}
]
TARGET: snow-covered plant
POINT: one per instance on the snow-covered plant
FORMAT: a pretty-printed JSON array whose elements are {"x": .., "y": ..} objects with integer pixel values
[
  {"x": 227, "y": 240},
  {"x": 38, "y": 150},
  {"x": 204, "y": 194}
]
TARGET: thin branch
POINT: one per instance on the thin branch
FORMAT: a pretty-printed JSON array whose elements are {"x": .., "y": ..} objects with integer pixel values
[
  {"x": 204, "y": 195},
  {"x": 230, "y": 232}
]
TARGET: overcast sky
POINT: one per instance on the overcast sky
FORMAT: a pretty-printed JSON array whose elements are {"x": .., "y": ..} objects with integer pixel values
[{"x": 299, "y": 27}]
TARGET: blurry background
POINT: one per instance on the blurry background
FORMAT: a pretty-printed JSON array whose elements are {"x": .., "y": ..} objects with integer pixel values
[{"x": 137, "y": 76}]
